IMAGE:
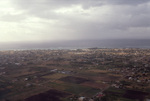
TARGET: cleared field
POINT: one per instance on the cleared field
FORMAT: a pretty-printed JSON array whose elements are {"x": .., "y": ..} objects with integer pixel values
[
  {"x": 72, "y": 79},
  {"x": 69, "y": 87},
  {"x": 131, "y": 94},
  {"x": 98, "y": 71},
  {"x": 57, "y": 85},
  {"x": 125, "y": 95},
  {"x": 51, "y": 95},
  {"x": 95, "y": 85},
  {"x": 105, "y": 77},
  {"x": 55, "y": 76},
  {"x": 77, "y": 89},
  {"x": 90, "y": 92},
  {"x": 21, "y": 72}
]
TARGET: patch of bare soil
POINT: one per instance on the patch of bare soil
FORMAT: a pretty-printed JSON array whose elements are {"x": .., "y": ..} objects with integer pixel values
[{"x": 51, "y": 95}]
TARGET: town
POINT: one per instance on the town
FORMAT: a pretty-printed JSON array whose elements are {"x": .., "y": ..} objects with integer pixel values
[{"x": 93, "y": 74}]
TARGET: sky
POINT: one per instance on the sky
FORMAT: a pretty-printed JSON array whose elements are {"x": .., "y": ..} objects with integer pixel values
[{"x": 49, "y": 20}]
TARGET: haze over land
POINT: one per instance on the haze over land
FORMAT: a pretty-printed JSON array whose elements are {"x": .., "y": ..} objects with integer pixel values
[
  {"x": 42, "y": 21},
  {"x": 78, "y": 44}
]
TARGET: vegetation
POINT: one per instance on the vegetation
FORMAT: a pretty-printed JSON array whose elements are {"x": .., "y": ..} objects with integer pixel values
[{"x": 96, "y": 74}]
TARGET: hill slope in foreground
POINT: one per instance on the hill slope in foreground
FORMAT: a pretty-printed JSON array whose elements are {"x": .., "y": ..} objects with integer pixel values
[{"x": 71, "y": 75}]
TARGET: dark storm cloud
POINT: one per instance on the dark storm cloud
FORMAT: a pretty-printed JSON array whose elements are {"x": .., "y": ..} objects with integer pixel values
[
  {"x": 45, "y": 8},
  {"x": 79, "y": 19},
  {"x": 126, "y": 2},
  {"x": 53, "y": 4}
]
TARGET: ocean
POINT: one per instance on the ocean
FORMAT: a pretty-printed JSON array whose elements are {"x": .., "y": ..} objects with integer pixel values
[{"x": 79, "y": 44}]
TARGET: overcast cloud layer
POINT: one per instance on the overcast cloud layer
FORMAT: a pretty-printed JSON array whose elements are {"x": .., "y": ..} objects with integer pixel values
[{"x": 46, "y": 20}]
